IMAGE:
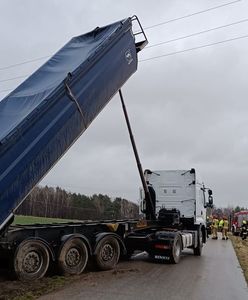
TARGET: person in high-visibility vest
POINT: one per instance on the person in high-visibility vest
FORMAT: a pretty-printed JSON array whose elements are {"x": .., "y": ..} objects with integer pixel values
[
  {"x": 221, "y": 224},
  {"x": 225, "y": 228},
  {"x": 215, "y": 225}
]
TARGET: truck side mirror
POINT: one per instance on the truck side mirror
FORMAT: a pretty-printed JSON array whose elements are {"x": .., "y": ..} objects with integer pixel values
[
  {"x": 210, "y": 193},
  {"x": 210, "y": 201}
]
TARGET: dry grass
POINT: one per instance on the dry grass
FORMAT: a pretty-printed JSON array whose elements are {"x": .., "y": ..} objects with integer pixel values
[{"x": 241, "y": 249}]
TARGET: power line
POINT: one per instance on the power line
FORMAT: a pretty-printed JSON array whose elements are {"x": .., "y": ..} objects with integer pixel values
[
  {"x": 196, "y": 33},
  {"x": 194, "y": 48},
  {"x": 178, "y": 52},
  {"x": 192, "y": 14},
  {"x": 149, "y": 27},
  {"x": 13, "y": 78},
  {"x": 24, "y": 62},
  {"x": 162, "y": 43}
]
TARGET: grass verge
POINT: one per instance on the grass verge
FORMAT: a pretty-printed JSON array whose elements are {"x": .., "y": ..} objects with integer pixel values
[
  {"x": 241, "y": 249},
  {"x": 26, "y": 220}
]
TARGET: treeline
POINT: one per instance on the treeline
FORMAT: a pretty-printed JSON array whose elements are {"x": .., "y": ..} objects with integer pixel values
[{"x": 58, "y": 203}]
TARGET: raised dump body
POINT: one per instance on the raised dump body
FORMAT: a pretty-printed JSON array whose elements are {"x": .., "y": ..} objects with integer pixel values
[{"x": 45, "y": 115}]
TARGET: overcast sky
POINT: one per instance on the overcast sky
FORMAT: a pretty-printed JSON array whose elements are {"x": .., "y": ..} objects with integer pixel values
[{"x": 187, "y": 110}]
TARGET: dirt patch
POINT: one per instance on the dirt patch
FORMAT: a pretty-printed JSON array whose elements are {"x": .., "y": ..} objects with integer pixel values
[
  {"x": 11, "y": 289},
  {"x": 241, "y": 249},
  {"x": 122, "y": 271},
  {"x": 16, "y": 290}
]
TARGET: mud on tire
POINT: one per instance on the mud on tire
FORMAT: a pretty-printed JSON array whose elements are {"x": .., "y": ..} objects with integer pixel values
[
  {"x": 31, "y": 260},
  {"x": 73, "y": 257},
  {"x": 107, "y": 253}
]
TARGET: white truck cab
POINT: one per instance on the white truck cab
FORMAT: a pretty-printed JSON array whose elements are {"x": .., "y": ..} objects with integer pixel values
[
  {"x": 182, "y": 190},
  {"x": 174, "y": 208}
]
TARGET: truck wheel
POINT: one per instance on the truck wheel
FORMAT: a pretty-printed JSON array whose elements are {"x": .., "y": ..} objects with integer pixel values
[
  {"x": 73, "y": 257},
  {"x": 176, "y": 250},
  {"x": 31, "y": 260},
  {"x": 198, "y": 249},
  {"x": 107, "y": 253}
]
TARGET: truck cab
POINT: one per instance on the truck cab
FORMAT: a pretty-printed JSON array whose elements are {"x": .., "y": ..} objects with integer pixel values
[
  {"x": 181, "y": 190},
  {"x": 178, "y": 219}
]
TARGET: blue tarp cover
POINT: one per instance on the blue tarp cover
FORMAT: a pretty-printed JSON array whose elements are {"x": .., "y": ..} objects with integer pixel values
[{"x": 39, "y": 121}]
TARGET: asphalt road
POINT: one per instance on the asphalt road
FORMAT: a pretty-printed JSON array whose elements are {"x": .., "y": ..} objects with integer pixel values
[{"x": 216, "y": 275}]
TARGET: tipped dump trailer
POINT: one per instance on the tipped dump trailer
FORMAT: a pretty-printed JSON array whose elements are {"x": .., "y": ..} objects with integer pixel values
[
  {"x": 47, "y": 113},
  {"x": 39, "y": 121}
]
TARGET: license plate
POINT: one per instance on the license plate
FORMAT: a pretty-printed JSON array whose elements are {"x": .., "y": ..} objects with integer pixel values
[{"x": 161, "y": 257}]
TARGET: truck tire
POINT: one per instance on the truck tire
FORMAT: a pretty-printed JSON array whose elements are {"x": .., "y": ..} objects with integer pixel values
[
  {"x": 107, "y": 253},
  {"x": 198, "y": 249},
  {"x": 176, "y": 250},
  {"x": 73, "y": 257},
  {"x": 31, "y": 260}
]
